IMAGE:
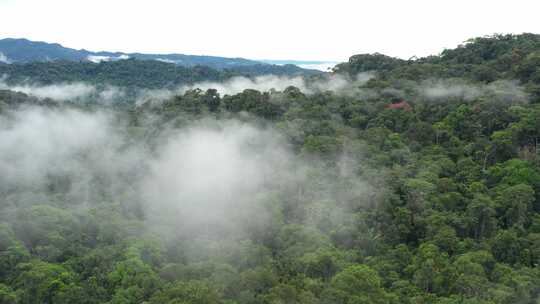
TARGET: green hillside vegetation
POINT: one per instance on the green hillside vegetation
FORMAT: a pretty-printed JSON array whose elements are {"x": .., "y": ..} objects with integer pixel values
[
  {"x": 422, "y": 185},
  {"x": 149, "y": 74}
]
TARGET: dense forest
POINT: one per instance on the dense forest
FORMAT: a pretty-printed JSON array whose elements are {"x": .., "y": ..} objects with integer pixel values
[
  {"x": 133, "y": 73},
  {"x": 414, "y": 181}
]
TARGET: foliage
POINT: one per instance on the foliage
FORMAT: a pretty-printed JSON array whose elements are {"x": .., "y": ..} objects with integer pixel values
[{"x": 452, "y": 214}]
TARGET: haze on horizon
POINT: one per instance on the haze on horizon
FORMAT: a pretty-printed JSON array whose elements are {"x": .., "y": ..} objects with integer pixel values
[{"x": 282, "y": 30}]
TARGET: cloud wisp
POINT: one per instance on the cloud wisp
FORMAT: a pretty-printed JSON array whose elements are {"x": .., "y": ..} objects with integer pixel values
[
  {"x": 441, "y": 90},
  {"x": 4, "y": 58},
  {"x": 213, "y": 178},
  {"x": 60, "y": 92},
  {"x": 108, "y": 94}
]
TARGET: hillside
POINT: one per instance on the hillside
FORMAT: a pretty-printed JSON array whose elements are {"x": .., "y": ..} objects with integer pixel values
[
  {"x": 387, "y": 182},
  {"x": 482, "y": 59},
  {"x": 24, "y": 50},
  {"x": 135, "y": 73}
]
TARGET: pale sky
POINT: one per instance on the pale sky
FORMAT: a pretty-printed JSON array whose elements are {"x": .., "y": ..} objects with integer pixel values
[{"x": 277, "y": 29}]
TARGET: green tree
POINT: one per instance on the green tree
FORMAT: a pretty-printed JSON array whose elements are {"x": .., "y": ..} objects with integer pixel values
[
  {"x": 191, "y": 292},
  {"x": 356, "y": 284}
]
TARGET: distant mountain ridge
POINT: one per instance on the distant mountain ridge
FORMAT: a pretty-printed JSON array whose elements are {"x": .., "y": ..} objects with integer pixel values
[
  {"x": 24, "y": 51},
  {"x": 305, "y": 64}
]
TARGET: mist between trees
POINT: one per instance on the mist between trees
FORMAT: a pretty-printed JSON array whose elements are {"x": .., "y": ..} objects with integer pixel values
[{"x": 361, "y": 186}]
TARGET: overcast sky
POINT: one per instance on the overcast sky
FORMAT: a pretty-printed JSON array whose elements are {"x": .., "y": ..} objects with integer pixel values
[{"x": 277, "y": 29}]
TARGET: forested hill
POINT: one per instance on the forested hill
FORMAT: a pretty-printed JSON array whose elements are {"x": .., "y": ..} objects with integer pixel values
[
  {"x": 483, "y": 59},
  {"x": 136, "y": 73},
  {"x": 24, "y": 50},
  {"x": 388, "y": 182},
  {"x": 53, "y": 62}
]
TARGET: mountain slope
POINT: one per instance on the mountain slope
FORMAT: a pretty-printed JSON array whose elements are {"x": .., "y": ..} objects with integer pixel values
[
  {"x": 419, "y": 185},
  {"x": 23, "y": 50},
  {"x": 135, "y": 73},
  {"x": 484, "y": 59}
]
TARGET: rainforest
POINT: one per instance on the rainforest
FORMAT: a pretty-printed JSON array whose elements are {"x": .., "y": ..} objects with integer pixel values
[{"x": 383, "y": 180}]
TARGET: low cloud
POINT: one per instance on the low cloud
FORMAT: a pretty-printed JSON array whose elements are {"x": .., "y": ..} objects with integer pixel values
[
  {"x": 36, "y": 143},
  {"x": 107, "y": 94},
  {"x": 212, "y": 179},
  {"x": 98, "y": 59},
  {"x": 4, "y": 58},
  {"x": 75, "y": 91},
  {"x": 167, "y": 60},
  {"x": 111, "y": 94},
  {"x": 60, "y": 92},
  {"x": 502, "y": 90},
  {"x": 261, "y": 83},
  {"x": 212, "y": 175},
  {"x": 335, "y": 82}
]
